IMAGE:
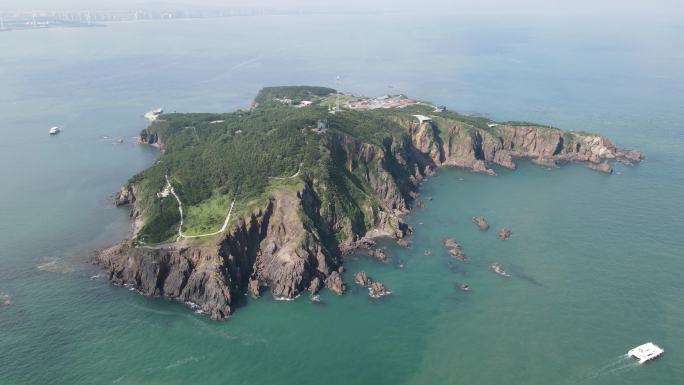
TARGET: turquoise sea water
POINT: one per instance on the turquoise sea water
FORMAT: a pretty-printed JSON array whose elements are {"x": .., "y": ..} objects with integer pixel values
[{"x": 596, "y": 260}]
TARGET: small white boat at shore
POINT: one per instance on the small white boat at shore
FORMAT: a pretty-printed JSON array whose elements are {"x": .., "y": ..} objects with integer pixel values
[
  {"x": 54, "y": 130},
  {"x": 646, "y": 352}
]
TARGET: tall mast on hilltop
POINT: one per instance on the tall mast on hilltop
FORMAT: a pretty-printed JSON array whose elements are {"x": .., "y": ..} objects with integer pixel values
[{"x": 337, "y": 102}]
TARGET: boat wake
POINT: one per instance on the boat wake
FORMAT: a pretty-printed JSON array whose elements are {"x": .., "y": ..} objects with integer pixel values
[{"x": 616, "y": 365}]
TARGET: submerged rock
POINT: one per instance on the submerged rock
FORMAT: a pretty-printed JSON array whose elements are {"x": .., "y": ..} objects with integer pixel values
[
  {"x": 463, "y": 286},
  {"x": 378, "y": 290},
  {"x": 56, "y": 265},
  {"x": 5, "y": 300},
  {"x": 504, "y": 233},
  {"x": 362, "y": 279},
  {"x": 454, "y": 249},
  {"x": 603, "y": 167},
  {"x": 498, "y": 269},
  {"x": 545, "y": 161},
  {"x": 378, "y": 254},
  {"x": 335, "y": 283},
  {"x": 632, "y": 155},
  {"x": 403, "y": 243},
  {"x": 481, "y": 223}
]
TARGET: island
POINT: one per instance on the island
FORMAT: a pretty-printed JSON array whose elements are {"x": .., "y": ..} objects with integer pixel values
[{"x": 270, "y": 199}]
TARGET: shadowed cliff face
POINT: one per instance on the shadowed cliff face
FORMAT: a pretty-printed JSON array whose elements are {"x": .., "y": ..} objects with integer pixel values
[{"x": 294, "y": 243}]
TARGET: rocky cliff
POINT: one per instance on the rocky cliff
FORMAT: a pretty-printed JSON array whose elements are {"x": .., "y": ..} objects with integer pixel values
[{"x": 294, "y": 242}]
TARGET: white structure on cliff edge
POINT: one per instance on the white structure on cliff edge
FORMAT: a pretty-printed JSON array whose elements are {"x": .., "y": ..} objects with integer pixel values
[{"x": 423, "y": 119}]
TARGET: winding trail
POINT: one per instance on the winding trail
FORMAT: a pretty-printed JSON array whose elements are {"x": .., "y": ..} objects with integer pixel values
[
  {"x": 291, "y": 176},
  {"x": 169, "y": 186}
]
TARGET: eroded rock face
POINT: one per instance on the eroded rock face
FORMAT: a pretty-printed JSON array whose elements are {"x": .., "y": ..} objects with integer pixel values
[
  {"x": 476, "y": 148},
  {"x": 253, "y": 288},
  {"x": 273, "y": 248},
  {"x": 315, "y": 285},
  {"x": 481, "y": 223},
  {"x": 190, "y": 275}
]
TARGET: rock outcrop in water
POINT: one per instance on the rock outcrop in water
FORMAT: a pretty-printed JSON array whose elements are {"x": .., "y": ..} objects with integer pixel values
[
  {"x": 375, "y": 289},
  {"x": 378, "y": 290},
  {"x": 362, "y": 279},
  {"x": 294, "y": 242},
  {"x": 454, "y": 249},
  {"x": 504, "y": 233},
  {"x": 481, "y": 223}
]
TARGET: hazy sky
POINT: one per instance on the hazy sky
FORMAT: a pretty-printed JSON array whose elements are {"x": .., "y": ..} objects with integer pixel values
[
  {"x": 672, "y": 10},
  {"x": 620, "y": 6}
]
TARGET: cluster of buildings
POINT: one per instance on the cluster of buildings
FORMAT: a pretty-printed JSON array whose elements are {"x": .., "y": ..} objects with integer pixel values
[{"x": 387, "y": 101}]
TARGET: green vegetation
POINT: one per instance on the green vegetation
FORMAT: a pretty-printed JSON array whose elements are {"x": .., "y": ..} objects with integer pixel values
[
  {"x": 213, "y": 159},
  {"x": 296, "y": 94}
]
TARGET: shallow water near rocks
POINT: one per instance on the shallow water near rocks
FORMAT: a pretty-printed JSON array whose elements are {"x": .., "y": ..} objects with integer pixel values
[{"x": 595, "y": 260}]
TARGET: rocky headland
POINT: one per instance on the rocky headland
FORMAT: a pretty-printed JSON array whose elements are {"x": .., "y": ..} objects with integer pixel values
[{"x": 357, "y": 175}]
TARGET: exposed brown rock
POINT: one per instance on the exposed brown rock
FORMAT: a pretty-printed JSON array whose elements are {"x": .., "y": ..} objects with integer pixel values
[
  {"x": 253, "y": 288},
  {"x": 379, "y": 254},
  {"x": 362, "y": 279},
  {"x": 315, "y": 285},
  {"x": 378, "y": 290},
  {"x": 335, "y": 283}
]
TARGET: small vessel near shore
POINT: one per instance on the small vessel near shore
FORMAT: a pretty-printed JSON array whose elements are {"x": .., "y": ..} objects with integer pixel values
[
  {"x": 498, "y": 269},
  {"x": 54, "y": 130},
  {"x": 646, "y": 352}
]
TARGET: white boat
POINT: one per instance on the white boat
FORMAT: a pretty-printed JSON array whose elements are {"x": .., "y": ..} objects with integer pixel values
[
  {"x": 54, "y": 130},
  {"x": 646, "y": 352}
]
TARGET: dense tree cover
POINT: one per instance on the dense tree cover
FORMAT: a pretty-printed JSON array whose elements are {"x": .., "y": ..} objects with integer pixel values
[
  {"x": 212, "y": 159},
  {"x": 295, "y": 93}
]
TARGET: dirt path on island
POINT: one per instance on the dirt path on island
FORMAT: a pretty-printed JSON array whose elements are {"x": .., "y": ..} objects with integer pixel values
[{"x": 169, "y": 188}]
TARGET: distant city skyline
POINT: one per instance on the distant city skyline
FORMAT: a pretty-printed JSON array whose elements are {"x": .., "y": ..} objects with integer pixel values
[{"x": 495, "y": 6}]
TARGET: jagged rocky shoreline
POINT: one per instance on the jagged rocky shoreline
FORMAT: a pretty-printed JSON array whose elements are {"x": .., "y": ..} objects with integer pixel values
[{"x": 295, "y": 243}]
